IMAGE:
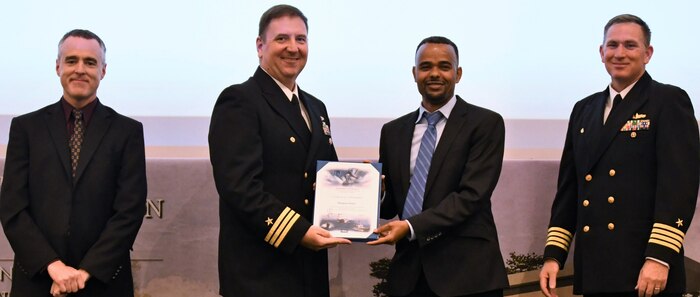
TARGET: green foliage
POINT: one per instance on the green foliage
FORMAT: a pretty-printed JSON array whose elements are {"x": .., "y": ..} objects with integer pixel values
[
  {"x": 523, "y": 262},
  {"x": 380, "y": 270}
]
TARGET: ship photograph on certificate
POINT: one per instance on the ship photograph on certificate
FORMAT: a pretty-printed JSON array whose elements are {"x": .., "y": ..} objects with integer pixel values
[{"x": 347, "y": 199}]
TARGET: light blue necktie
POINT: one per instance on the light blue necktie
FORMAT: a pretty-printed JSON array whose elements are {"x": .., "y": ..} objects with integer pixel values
[{"x": 414, "y": 200}]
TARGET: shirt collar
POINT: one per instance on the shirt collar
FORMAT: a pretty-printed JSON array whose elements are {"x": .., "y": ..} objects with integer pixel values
[
  {"x": 445, "y": 109},
  {"x": 622, "y": 93},
  {"x": 88, "y": 110},
  {"x": 287, "y": 91}
]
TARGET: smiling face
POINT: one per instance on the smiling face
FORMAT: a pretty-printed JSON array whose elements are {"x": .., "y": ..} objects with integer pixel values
[
  {"x": 283, "y": 49},
  {"x": 625, "y": 54},
  {"x": 436, "y": 73},
  {"x": 81, "y": 67}
]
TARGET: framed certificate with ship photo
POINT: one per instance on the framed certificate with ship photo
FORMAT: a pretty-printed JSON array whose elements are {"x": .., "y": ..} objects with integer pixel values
[{"x": 347, "y": 199}]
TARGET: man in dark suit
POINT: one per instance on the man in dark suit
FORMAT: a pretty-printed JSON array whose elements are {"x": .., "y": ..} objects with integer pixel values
[
  {"x": 74, "y": 192},
  {"x": 265, "y": 137},
  {"x": 628, "y": 178},
  {"x": 446, "y": 241}
]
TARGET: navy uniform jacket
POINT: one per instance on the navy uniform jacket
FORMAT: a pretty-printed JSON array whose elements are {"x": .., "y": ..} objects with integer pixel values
[
  {"x": 626, "y": 189},
  {"x": 264, "y": 165},
  {"x": 456, "y": 244},
  {"x": 89, "y": 222}
]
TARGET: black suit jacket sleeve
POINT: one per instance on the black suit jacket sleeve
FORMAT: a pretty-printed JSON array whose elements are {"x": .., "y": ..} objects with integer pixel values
[
  {"x": 129, "y": 206},
  {"x": 32, "y": 250},
  {"x": 236, "y": 152},
  {"x": 388, "y": 205}
]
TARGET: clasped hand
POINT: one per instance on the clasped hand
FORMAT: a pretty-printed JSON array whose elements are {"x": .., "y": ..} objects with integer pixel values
[{"x": 66, "y": 279}]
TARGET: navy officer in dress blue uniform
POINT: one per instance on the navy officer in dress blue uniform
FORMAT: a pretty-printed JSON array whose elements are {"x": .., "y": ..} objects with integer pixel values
[
  {"x": 628, "y": 178},
  {"x": 265, "y": 137}
]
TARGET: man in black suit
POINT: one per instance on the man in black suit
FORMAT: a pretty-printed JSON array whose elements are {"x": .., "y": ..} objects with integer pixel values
[
  {"x": 446, "y": 241},
  {"x": 74, "y": 192},
  {"x": 628, "y": 178},
  {"x": 265, "y": 137}
]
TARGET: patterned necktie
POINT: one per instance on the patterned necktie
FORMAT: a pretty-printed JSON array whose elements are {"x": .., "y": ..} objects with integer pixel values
[
  {"x": 76, "y": 139},
  {"x": 414, "y": 200}
]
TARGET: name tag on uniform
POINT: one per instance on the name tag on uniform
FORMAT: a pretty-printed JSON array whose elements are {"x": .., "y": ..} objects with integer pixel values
[{"x": 636, "y": 125}]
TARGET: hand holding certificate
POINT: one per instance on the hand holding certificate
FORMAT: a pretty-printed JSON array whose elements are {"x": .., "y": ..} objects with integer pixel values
[{"x": 347, "y": 199}]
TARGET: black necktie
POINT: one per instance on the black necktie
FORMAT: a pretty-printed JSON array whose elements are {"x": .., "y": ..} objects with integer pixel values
[
  {"x": 76, "y": 139},
  {"x": 295, "y": 100},
  {"x": 295, "y": 103},
  {"x": 616, "y": 103}
]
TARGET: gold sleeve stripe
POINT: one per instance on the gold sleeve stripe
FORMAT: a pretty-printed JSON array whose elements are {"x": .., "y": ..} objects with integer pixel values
[
  {"x": 565, "y": 248},
  {"x": 666, "y": 244},
  {"x": 559, "y": 240},
  {"x": 666, "y": 239},
  {"x": 559, "y": 235},
  {"x": 669, "y": 228},
  {"x": 284, "y": 223},
  {"x": 668, "y": 234},
  {"x": 286, "y": 230},
  {"x": 277, "y": 223},
  {"x": 562, "y": 230}
]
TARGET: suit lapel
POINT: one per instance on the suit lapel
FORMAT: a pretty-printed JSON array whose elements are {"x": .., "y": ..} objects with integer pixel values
[
  {"x": 280, "y": 103},
  {"x": 95, "y": 132},
  {"x": 594, "y": 126},
  {"x": 634, "y": 99},
  {"x": 457, "y": 119},
  {"x": 405, "y": 139},
  {"x": 316, "y": 129},
  {"x": 56, "y": 123}
]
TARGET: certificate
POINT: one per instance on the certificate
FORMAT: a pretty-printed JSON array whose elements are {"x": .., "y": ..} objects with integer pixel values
[{"x": 347, "y": 199}]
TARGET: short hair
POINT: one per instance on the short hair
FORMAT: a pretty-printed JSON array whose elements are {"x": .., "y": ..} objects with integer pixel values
[
  {"x": 85, "y": 34},
  {"x": 628, "y": 18},
  {"x": 279, "y": 11},
  {"x": 439, "y": 40}
]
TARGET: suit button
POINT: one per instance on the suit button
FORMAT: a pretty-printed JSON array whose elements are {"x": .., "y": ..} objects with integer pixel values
[
  {"x": 292, "y": 139},
  {"x": 583, "y": 130},
  {"x": 306, "y": 175},
  {"x": 589, "y": 177},
  {"x": 611, "y": 199},
  {"x": 585, "y": 203},
  {"x": 586, "y": 228},
  {"x": 611, "y": 226},
  {"x": 633, "y": 134},
  {"x": 306, "y": 201},
  {"x": 612, "y": 172}
]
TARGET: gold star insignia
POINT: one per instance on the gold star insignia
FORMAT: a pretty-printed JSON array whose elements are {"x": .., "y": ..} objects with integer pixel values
[
  {"x": 268, "y": 221},
  {"x": 679, "y": 223}
]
